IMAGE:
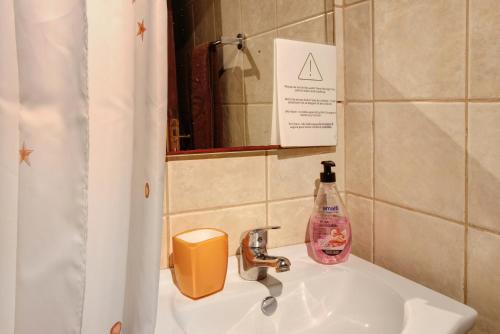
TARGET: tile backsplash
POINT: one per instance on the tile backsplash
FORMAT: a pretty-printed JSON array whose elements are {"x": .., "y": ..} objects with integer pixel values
[
  {"x": 240, "y": 191},
  {"x": 422, "y": 126}
]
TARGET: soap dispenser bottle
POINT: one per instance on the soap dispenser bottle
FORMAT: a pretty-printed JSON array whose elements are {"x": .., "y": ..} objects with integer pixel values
[{"x": 329, "y": 227}]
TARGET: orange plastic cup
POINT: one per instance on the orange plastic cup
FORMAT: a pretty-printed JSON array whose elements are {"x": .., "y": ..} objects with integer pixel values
[{"x": 200, "y": 261}]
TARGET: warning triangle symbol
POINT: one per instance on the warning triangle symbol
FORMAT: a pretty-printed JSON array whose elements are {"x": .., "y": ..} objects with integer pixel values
[{"x": 310, "y": 70}]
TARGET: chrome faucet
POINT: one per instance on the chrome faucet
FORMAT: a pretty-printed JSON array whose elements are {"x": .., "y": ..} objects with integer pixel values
[{"x": 253, "y": 258}]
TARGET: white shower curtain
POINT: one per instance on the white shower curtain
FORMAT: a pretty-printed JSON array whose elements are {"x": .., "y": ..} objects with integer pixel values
[{"x": 83, "y": 93}]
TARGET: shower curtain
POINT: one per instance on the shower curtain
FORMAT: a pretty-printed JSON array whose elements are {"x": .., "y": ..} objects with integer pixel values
[{"x": 83, "y": 93}]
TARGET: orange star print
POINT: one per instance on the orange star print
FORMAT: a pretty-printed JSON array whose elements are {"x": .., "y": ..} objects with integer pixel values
[
  {"x": 24, "y": 155},
  {"x": 141, "y": 29},
  {"x": 116, "y": 329}
]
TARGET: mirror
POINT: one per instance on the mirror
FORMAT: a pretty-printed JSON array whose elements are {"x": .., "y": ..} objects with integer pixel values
[{"x": 221, "y": 67}]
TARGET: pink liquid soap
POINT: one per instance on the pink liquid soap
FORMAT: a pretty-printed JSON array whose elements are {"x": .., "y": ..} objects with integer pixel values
[
  {"x": 329, "y": 228},
  {"x": 330, "y": 239}
]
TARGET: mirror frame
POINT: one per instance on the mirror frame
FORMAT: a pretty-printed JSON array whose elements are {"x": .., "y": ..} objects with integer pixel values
[{"x": 224, "y": 149}]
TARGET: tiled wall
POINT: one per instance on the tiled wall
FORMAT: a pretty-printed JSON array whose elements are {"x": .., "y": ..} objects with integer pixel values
[
  {"x": 422, "y": 125},
  {"x": 240, "y": 191},
  {"x": 247, "y": 83}
]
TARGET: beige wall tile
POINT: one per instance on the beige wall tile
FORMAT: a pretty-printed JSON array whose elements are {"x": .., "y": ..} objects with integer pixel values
[
  {"x": 425, "y": 249},
  {"x": 258, "y": 16},
  {"x": 339, "y": 42},
  {"x": 165, "y": 251},
  {"x": 204, "y": 21},
  {"x": 330, "y": 28},
  {"x": 425, "y": 41},
  {"x": 295, "y": 172},
  {"x": 312, "y": 30},
  {"x": 258, "y": 68},
  {"x": 484, "y": 48},
  {"x": 358, "y": 52},
  {"x": 201, "y": 182},
  {"x": 228, "y": 17},
  {"x": 231, "y": 81},
  {"x": 233, "y": 221},
  {"x": 420, "y": 156},
  {"x": 360, "y": 211},
  {"x": 359, "y": 148},
  {"x": 293, "y": 217},
  {"x": 329, "y": 4},
  {"x": 484, "y": 165},
  {"x": 484, "y": 279},
  {"x": 290, "y": 11},
  {"x": 259, "y": 120},
  {"x": 234, "y": 125}
]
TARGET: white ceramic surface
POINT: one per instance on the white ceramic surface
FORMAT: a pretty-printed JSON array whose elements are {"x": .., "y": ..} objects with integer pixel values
[{"x": 354, "y": 297}]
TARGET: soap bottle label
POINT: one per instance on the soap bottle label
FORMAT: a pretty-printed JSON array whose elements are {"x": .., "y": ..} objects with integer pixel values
[{"x": 331, "y": 234}]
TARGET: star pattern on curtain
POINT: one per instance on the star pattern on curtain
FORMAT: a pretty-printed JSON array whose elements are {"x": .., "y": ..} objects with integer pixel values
[
  {"x": 116, "y": 329},
  {"x": 24, "y": 155},
  {"x": 141, "y": 29}
]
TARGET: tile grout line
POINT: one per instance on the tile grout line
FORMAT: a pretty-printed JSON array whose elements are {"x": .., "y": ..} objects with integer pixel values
[
  {"x": 214, "y": 208},
  {"x": 484, "y": 229},
  {"x": 276, "y": 25},
  {"x": 356, "y": 3},
  {"x": 483, "y": 100},
  {"x": 326, "y": 21},
  {"x": 234, "y": 206},
  {"x": 243, "y": 85},
  {"x": 408, "y": 208},
  {"x": 245, "y": 125},
  {"x": 372, "y": 15},
  {"x": 345, "y": 99},
  {"x": 288, "y": 25},
  {"x": 466, "y": 186}
]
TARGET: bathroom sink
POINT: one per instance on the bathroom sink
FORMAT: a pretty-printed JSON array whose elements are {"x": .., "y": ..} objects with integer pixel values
[{"x": 354, "y": 297}]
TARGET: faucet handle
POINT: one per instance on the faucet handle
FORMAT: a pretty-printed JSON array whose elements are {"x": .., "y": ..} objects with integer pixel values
[{"x": 257, "y": 238}]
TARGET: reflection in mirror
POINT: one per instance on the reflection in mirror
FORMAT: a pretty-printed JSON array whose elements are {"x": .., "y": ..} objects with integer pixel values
[{"x": 221, "y": 67}]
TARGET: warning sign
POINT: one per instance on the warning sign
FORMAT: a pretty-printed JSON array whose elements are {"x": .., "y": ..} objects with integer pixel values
[
  {"x": 310, "y": 70},
  {"x": 305, "y": 94}
]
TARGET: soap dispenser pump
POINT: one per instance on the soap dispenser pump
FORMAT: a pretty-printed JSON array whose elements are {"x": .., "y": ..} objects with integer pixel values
[{"x": 329, "y": 226}]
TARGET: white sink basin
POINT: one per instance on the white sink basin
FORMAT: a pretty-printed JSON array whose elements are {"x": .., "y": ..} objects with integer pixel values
[{"x": 355, "y": 297}]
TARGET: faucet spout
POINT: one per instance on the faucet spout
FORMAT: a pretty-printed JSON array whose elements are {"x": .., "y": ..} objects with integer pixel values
[
  {"x": 254, "y": 260},
  {"x": 280, "y": 263}
]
